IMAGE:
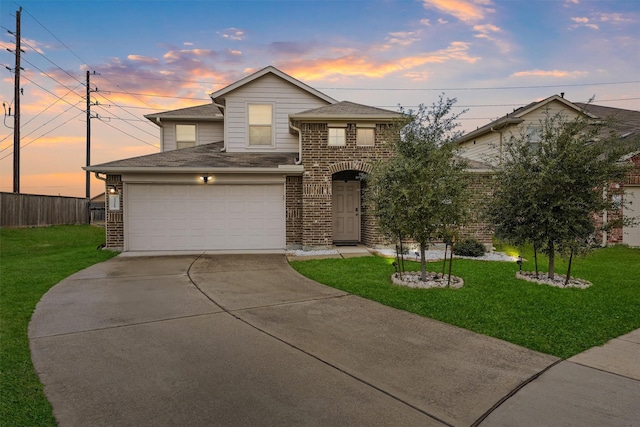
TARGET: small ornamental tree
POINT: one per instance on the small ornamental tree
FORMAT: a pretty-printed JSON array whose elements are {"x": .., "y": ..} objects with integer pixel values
[
  {"x": 421, "y": 192},
  {"x": 549, "y": 185}
]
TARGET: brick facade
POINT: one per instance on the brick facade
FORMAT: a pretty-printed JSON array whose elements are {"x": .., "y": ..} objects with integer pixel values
[
  {"x": 481, "y": 189},
  {"x": 114, "y": 223},
  {"x": 321, "y": 162},
  {"x": 293, "y": 212},
  {"x": 632, "y": 179}
]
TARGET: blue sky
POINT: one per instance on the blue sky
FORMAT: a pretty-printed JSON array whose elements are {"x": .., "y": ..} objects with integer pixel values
[{"x": 493, "y": 56}]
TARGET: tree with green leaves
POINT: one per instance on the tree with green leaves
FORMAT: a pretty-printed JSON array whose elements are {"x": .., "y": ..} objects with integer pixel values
[
  {"x": 421, "y": 192},
  {"x": 549, "y": 185}
]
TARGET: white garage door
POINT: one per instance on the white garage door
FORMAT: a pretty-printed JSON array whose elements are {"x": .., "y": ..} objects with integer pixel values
[
  {"x": 631, "y": 235},
  {"x": 204, "y": 217}
]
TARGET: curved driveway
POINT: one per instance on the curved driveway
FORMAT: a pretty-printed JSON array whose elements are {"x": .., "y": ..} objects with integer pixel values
[{"x": 244, "y": 340}]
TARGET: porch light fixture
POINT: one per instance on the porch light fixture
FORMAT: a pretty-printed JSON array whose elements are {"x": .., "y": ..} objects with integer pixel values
[
  {"x": 205, "y": 179},
  {"x": 113, "y": 189}
]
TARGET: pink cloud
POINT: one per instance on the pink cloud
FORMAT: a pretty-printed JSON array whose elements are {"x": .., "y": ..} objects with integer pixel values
[
  {"x": 465, "y": 10},
  {"x": 550, "y": 73}
]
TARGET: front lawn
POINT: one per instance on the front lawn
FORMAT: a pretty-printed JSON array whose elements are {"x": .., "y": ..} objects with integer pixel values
[
  {"x": 32, "y": 260},
  {"x": 560, "y": 322}
]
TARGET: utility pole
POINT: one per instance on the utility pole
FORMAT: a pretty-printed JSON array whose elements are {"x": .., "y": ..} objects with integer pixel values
[
  {"x": 87, "y": 174},
  {"x": 16, "y": 114}
]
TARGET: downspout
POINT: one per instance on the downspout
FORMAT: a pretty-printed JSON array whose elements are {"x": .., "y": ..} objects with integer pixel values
[
  {"x": 299, "y": 159},
  {"x": 224, "y": 139}
]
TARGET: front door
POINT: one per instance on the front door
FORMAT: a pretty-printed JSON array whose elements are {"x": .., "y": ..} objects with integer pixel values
[{"x": 346, "y": 211}]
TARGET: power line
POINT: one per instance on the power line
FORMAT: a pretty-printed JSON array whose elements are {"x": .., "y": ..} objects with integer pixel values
[
  {"x": 34, "y": 140},
  {"x": 480, "y": 88},
  {"x": 134, "y": 137}
]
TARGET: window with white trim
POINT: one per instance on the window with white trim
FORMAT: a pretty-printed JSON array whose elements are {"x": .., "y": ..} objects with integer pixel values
[
  {"x": 185, "y": 136},
  {"x": 337, "y": 136},
  {"x": 260, "y": 119},
  {"x": 365, "y": 137},
  {"x": 534, "y": 136}
]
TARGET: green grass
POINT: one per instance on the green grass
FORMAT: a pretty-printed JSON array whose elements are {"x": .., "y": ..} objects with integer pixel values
[
  {"x": 32, "y": 260},
  {"x": 560, "y": 322}
]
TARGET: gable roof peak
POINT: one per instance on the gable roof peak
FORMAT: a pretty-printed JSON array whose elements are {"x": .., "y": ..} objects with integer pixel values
[{"x": 276, "y": 72}]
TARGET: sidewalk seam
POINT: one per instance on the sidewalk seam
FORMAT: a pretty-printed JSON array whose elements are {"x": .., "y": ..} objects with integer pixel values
[{"x": 513, "y": 392}]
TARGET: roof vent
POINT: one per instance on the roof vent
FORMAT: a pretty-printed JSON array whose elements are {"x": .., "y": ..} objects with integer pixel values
[{"x": 562, "y": 95}]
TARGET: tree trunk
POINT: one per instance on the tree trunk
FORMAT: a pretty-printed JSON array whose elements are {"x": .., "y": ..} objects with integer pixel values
[
  {"x": 566, "y": 281},
  {"x": 401, "y": 266},
  {"x": 444, "y": 262},
  {"x": 450, "y": 264},
  {"x": 423, "y": 263},
  {"x": 535, "y": 257},
  {"x": 552, "y": 256},
  {"x": 398, "y": 260}
]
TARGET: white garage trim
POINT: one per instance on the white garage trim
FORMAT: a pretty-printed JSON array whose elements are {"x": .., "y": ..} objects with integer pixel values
[
  {"x": 182, "y": 217},
  {"x": 631, "y": 235}
]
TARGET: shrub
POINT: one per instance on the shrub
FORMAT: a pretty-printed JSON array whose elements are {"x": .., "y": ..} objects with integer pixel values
[{"x": 469, "y": 247}]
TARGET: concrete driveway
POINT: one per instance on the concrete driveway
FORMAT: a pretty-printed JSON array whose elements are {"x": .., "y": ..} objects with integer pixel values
[{"x": 244, "y": 340}]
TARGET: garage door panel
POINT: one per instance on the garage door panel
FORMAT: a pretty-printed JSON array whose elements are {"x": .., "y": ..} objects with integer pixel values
[{"x": 188, "y": 217}]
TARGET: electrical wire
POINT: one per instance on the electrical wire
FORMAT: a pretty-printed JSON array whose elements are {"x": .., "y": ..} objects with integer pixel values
[
  {"x": 34, "y": 140},
  {"x": 128, "y": 134}
]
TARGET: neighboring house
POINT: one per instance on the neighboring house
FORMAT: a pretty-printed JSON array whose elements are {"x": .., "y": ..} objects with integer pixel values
[
  {"x": 271, "y": 163},
  {"x": 486, "y": 144}
]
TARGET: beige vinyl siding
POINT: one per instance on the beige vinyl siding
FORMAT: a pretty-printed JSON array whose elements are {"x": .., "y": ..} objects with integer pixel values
[
  {"x": 269, "y": 89},
  {"x": 485, "y": 148},
  {"x": 488, "y": 146},
  {"x": 207, "y": 132}
]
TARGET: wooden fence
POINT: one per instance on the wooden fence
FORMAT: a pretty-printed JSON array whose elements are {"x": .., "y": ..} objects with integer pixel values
[{"x": 28, "y": 210}]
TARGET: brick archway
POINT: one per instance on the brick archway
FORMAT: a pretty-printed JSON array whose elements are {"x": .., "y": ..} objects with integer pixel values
[{"x": 350, "y": 165}]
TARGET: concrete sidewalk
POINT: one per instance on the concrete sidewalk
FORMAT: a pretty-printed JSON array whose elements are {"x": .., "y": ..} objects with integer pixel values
[{"x": 245, "y": 340}]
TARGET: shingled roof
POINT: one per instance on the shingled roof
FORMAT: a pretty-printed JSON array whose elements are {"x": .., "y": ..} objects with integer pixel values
[
  {"x": 626, "y": 123},
  {"x": 206, "y": 112},
  {"x": 205, "y": 157},
  {"x": 346, "y": 110}
]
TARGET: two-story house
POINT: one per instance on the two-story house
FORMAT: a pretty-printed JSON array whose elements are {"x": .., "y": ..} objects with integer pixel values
[
  {"x": 486, "y": 144},
  {"x": 269, "y": 164}
]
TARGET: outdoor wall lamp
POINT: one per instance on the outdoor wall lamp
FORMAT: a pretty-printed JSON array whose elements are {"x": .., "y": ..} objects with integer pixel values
[
  {"x": 113, "y": 189},
  {"x": 205, "y": 179}
]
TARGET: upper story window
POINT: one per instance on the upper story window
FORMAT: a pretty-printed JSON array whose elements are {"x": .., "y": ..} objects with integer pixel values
[
  {"x": 534, "y": 136},
  {"x": 337, "y": 136},
  {"x": 185, "y": 136},
  {"x": 260, "y": 119},
  {"x": 365, "y": 137}
]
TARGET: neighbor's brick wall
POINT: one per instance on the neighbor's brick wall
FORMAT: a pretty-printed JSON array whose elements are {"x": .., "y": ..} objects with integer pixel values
[
  {"x": 114, "y": 219},
  {"x": 632, "y": 179},
  {"x": 294, "y": 211},
  {"x": 320, "y": 162},
  {"x": 481, "y": 189}
]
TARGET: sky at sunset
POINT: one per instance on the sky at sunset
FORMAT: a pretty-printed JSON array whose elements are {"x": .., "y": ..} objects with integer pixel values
[{"x": 150, "y": 56}]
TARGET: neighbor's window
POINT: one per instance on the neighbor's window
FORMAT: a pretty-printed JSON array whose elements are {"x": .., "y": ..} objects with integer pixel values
[
  {"x": 185, "y": 136},
  {"x": 260, "y": 124},
  {"x": 534, "y": 136},
  {"x": 337, "y": 136},
  {"x": 365, "y": 137}
]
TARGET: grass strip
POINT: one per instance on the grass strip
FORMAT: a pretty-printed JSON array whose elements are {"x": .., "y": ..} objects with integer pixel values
[
  {"x": 556, "y": 321},
  {"x": 32, "y": 260}
]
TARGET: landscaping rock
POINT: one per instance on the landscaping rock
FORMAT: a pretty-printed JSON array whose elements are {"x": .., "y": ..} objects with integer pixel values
[
  {"x": 558, "y": 281},
  {"x": 412, "y": 280}
]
